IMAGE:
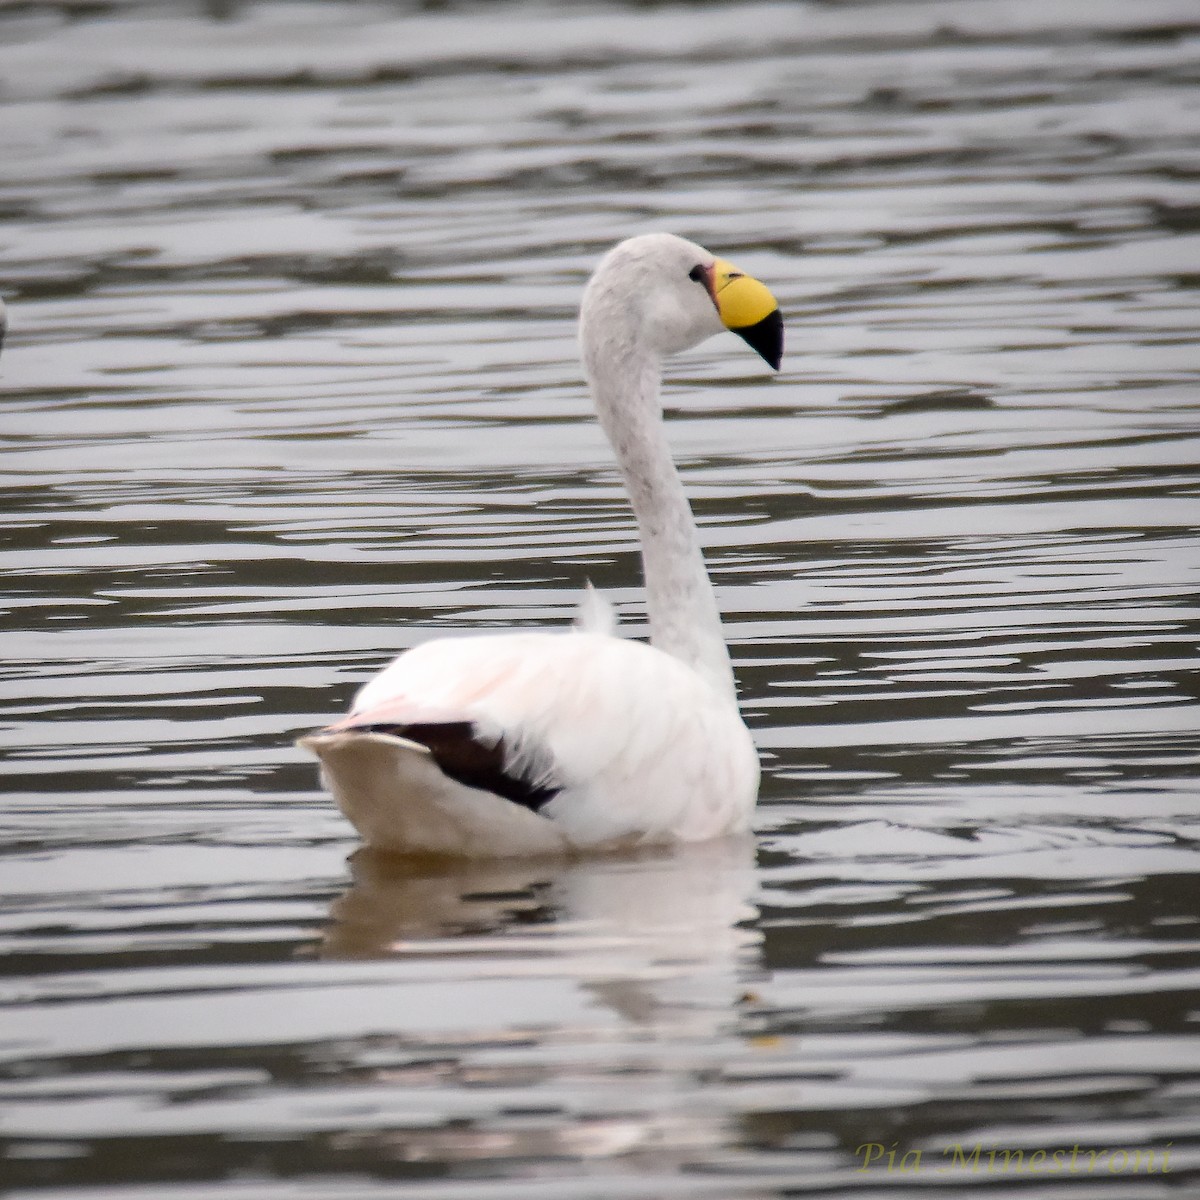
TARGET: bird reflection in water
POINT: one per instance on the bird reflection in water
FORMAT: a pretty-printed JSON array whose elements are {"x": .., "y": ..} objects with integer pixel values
[
  {"x": 650, "y": 955},
  {"x": 689, "y": 905},
  {"x": 641, "y": 931}
]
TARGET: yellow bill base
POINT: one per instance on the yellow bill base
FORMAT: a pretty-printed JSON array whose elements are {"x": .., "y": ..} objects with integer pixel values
[{"x": 741, "y": 300}]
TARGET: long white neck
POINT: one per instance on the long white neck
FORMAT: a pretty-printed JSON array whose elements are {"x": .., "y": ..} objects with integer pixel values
[{"x": 684, "y": 619}]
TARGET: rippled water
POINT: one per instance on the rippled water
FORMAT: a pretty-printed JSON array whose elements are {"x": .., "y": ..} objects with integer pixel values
[{"x": 291, "y": 382}]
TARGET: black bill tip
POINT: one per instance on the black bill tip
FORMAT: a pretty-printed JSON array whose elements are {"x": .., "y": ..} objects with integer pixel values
[{"x": 766, "y": 337}]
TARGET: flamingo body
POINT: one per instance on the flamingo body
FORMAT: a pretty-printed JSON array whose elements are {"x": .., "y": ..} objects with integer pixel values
[{"x": 612, "y": 740}]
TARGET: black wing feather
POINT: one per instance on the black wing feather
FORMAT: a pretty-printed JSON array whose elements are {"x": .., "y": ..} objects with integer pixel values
[{"x": 462, "y": 755}]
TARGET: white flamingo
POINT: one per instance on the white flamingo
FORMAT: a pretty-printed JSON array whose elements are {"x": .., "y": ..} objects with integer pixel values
[{"x": 536, "y": 743}]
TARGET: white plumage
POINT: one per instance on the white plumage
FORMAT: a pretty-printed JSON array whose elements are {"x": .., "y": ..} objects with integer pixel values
[{"x": 536, "y": 743}]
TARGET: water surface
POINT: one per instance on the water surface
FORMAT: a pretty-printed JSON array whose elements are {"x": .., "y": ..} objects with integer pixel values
[{"x": 291, "y": 384}]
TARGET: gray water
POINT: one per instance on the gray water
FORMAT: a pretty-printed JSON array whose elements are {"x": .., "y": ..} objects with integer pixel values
[{"x": 291, "y": 384}]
